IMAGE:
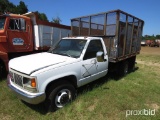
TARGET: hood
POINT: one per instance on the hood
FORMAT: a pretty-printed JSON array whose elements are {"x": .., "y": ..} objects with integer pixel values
[{"x": 30, "y": 63}]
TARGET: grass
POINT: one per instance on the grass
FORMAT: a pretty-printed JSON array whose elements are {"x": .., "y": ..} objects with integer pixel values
[
  {"x": 154, "y": 59},
  {"x": 105, "y": 99}
]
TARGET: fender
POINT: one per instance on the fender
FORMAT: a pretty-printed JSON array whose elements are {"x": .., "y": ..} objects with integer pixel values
[{"x": 58, "y": 77}]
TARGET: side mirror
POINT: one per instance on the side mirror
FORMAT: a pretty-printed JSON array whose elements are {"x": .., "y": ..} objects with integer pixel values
[{"x": 100, "y": 56}]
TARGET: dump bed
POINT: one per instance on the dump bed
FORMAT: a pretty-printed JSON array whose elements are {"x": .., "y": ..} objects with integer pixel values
[
  {"x": 121, "y": 32},
  {"x": 46, "y": 34}
]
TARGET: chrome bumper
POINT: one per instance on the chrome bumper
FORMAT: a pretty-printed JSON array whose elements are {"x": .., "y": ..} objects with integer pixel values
[{"x": 32, "y": 99}]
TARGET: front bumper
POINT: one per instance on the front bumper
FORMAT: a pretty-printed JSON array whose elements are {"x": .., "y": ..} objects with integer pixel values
[{"x": 35, "y": 98}]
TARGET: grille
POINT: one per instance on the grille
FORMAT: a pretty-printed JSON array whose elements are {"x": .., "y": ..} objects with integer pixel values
[{"x": 17, "y": 79}]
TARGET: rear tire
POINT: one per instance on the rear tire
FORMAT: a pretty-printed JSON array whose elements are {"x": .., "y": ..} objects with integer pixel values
[
  {"x": 132, "y": 62},
  {"x": 59, "y": 95},
  {"x": 123, "y": 68}
]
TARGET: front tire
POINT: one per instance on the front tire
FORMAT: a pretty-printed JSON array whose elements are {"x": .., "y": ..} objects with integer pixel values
[
  {"x": 59, "y": 95},
  {"x": 3, "y": 72}
]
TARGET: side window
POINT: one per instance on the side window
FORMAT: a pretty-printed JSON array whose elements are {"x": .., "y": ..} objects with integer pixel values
[
  {"x": 15, "y": 24},
  {"x": 93, "y": 47}
]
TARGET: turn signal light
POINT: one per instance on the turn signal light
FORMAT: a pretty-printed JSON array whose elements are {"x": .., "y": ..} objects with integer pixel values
[{"x": 33, "y": 83}]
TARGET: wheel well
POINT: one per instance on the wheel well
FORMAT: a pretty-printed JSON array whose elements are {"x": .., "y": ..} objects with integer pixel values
[
  {"x": 1, "y": 62},
  {"x": 71, "y": 79},
  {"x": 3, "y": 71}
]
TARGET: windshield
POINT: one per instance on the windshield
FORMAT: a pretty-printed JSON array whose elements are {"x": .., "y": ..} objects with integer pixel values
[
  {"x": 69, "y": 47},
  {"x": 2, "y": 22}
]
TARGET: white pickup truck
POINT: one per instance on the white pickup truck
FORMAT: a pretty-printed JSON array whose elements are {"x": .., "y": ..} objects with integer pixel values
[{"x": 53, "y": 76}]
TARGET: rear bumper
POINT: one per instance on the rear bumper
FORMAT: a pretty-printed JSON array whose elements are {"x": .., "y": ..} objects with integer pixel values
[{"x": 33, "y": 98}]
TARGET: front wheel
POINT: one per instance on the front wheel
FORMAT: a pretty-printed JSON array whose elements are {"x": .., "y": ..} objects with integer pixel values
[
  {"x": 59, "y": 95},
  {"x": 3, "y": 72}
]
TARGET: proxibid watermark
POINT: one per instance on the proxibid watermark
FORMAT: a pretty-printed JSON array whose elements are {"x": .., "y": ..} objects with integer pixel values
[{"x": 146, "y": 112}]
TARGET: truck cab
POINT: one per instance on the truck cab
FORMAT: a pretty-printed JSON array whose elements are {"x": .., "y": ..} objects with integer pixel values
[
  {"x": 15, "y": 36},
  {"x": 26, "y": 34},
  {"x": 16, "y": 33}
]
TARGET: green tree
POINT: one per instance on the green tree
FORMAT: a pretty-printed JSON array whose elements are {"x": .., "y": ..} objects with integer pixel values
[
  {"x": 6, "y": 6},
  {"x": 56, "y": 20},
  {"x": 148, "y": 37},
  {"x": 21, "y": 8},
  {"x": 42, "y": 16},
  {"x": 157, "y": 36},
  {"x": 11, "y": 8}
]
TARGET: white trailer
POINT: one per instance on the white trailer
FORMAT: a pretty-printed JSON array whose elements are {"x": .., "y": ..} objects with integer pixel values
[{"x": 46, "y": 34}]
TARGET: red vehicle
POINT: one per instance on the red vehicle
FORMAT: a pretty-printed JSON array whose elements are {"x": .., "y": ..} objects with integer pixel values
[
  {"x": 148, "y": 42},
  {"x": 153, "y": 43},
  {"x": 26, "y": 34}
]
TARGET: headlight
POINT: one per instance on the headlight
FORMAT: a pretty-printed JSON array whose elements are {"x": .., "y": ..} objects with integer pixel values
[{"x": 30, "y": 84}]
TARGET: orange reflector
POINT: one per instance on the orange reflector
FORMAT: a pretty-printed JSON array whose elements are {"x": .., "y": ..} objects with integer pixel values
[{"x": 33, "y": 83}]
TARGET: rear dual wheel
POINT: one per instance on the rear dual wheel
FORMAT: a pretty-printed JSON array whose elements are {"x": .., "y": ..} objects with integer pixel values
[
  {"x": 131, "y": 64},
  {"x": 126, "y": 66},
  {"x": 123, "y": 68}
]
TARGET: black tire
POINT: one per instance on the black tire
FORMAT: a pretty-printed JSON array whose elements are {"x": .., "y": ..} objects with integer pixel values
[
  {"x": 59, "y": 95},
  {"x": 3, "y": 72},
  {"x": 123, "y": 68},
  {"x": 132, "y": 62}
]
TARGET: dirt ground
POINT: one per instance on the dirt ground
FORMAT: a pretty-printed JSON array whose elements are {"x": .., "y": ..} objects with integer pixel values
[{"x": 150, "y": 50}]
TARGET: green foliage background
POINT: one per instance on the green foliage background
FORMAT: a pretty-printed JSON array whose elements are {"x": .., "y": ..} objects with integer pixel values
[
  {"x": 152, "y": 37},
  {"x": 7, "y": 7}
]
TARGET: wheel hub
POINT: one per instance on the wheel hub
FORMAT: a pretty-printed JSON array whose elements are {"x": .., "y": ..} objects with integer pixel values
[{"x": 62, "y": 98}]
